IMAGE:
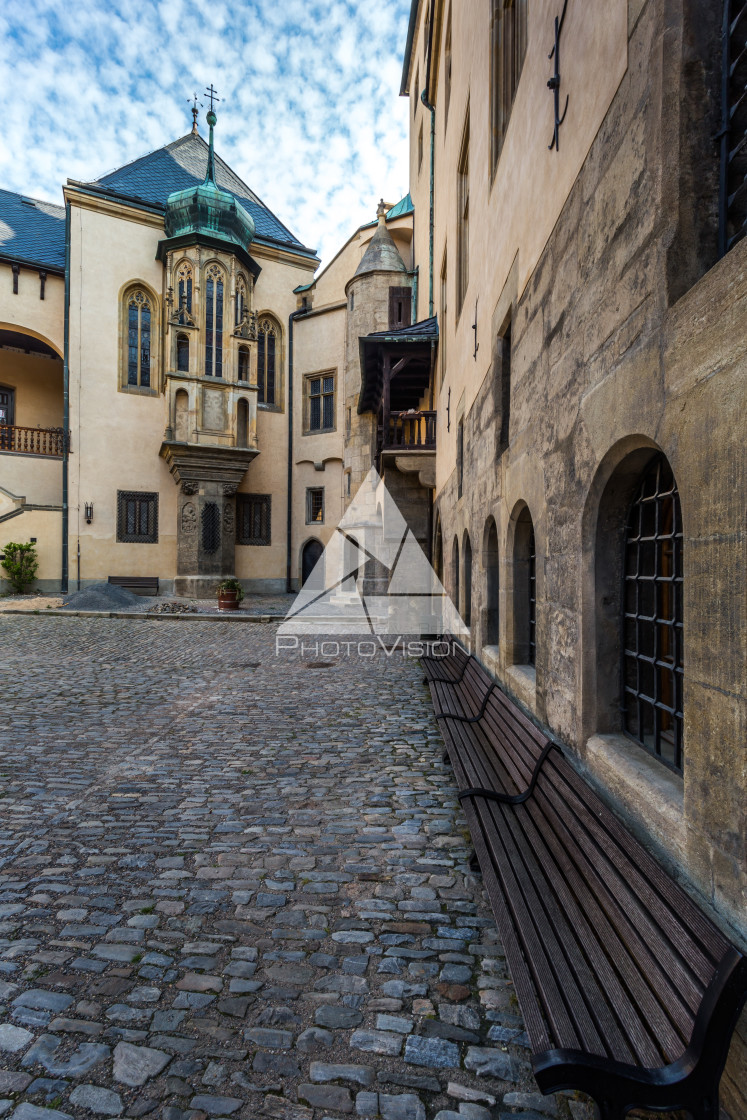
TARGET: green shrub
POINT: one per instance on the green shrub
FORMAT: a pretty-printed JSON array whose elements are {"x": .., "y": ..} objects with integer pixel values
[
  {"x": 20, "y": 563},
  {"x": 232, "y": 584}
]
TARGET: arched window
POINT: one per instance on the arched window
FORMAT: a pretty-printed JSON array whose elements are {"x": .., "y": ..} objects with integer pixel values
[
  {"x": 182, "y": 353},
  {"x": 455, "y": 572},
  {"x": 460, "y": 458},
  {"x": 214, "y": 288},
  {"x": 466, "y": 611},
  {"x": 653, "y": 616},
  {"x": 184, "y": 280},
  {"x": 525, "y": 591},
  {"x": 243, "y": 363},
  {"x": 490, "y": 563},
  {"x": 242, "y": 424},
  {"x": 268, "y": 360},
  {"x": 139, "y": 313}
]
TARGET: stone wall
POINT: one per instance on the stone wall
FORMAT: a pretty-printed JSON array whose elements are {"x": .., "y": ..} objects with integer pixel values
[{"x": 628, "y": 340}]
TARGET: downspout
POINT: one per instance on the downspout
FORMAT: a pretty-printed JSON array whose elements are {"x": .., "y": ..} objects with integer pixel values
[
  {"x": 66, "y": 406},
  {"x": 414, "y": 274},
  {"x": 299, "y": 314},
  {"x": 432, "y": 110}
]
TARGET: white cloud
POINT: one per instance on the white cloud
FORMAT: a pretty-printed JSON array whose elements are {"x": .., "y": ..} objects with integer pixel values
[{"x": 310, "y": 114}]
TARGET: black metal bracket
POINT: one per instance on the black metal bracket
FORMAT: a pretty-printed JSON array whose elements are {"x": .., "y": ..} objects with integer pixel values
[
  {"x": 554, "y": 82},
  {"x": 474, "y": 328},
  {"x": 470, "y": 719},
  {"x": 448, "y": 410}
]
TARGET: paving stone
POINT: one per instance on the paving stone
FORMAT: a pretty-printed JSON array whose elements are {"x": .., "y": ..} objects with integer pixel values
[
  {"x": 432, "y": 1052},
  {"x": 466, "y": 1093},
  {"x": 489, "y": 1062},
  {"x": 273, "y": 1040},
  {"x": 105, "y": 1102},
  {"x": 83, "y": 1059},
  {"x": 14, "y": 1038},
  {"x": 377, "y": 1042},
  {"x": 28, "y": 1111},
  {"x": 40, "y": 1000},
  {"x": 313, "y": 1039},
  {"x": 359, "y": 1075},
  {"x": 334, "y": 1016},
  {"x": 134, "y": 1065},
  {"x": 281, "y": 1064},
  {"x": 326, "y": 1096},
  {"x": 216, "y": 1106}
]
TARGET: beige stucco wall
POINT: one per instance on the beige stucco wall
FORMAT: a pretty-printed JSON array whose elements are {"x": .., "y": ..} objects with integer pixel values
[
  {"x": 38, "y": 384},
  {"x": 25, "y": 311},
  {"x": 46, "y": 526}
]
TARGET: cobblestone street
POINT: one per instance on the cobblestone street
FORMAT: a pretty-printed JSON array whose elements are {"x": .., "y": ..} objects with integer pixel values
[{"x": 237, "y": 885}]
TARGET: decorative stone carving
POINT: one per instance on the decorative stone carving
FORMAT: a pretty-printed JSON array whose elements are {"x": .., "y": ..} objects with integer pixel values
[
  {"x": 189, "y": 518},
  {"x": 230, "y": 488},
  {"x": 229, "y": 523},
  {"x": 190, "y": 487}
]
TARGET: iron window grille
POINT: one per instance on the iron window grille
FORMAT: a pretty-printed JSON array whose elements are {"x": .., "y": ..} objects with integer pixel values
[
  {"x": 653, "y": 618},
  {"x": 253, "y": 519},
  {"x": 321, "y": 392},
  {"x": 733, "y": 135},
  {"x": 315, "y": 505},
  {"x": 210, "y": 525},
  {"x": 532, "y": 592},
  {"x": 137, "y": 517}
]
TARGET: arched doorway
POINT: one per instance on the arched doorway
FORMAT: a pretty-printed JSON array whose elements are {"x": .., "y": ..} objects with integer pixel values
[
  {"x": 466, "y": 596},
  {"x": 310, "y": 556},
  {"x": 490, "y": 563}
]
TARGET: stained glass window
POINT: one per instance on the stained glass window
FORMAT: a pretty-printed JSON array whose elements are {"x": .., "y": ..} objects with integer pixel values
[{"x": 138, "y": 340}]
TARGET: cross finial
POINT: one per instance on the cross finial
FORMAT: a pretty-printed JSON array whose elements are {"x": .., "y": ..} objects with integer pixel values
[
  {"x": 195, "y": 110},
  {"x": 213, "y": 95}
]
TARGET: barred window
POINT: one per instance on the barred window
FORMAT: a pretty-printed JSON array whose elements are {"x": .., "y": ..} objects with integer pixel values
[
  {"x": 139, "y": 329},
  {"x": 253, "y": 518},
  {"x": 321, "y": 403},
  {"x": 137, "y": 517},
  {"x": 314, "y": 505},
  {"x": 653, "y": 617}
]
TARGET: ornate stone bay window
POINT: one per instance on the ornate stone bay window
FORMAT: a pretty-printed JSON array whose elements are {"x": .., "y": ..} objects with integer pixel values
[{"x": 210, "y": 344}]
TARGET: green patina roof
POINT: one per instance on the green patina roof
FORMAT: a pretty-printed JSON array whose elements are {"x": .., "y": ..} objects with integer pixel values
[{"x": 208, "y": 210}]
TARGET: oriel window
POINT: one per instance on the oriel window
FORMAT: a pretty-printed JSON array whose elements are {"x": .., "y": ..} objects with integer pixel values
[
  {"x": 139, "y": 325},
  {"x": 184, "y": 287},
  {"x": 214, "y": 322}
]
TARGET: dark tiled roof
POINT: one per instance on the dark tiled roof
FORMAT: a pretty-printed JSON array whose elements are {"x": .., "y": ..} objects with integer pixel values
[
  {"x": 32, "y": 232},
  {"x": 183, "y": 164},
  {"x": 423, "y": 331}
]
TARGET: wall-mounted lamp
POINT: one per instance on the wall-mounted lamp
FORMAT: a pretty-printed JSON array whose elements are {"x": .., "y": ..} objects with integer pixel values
[{"x": 89, "y": 512}]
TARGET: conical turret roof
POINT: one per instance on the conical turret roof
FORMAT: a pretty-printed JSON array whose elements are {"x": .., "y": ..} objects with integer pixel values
[{"x": 382, "y": 255}]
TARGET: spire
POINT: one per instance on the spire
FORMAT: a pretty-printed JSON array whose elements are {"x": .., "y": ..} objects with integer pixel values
[
  {"x": 381, "y": 210},
  {"x": 195, "y": 104},
  {"x": 211, "y": 120}
]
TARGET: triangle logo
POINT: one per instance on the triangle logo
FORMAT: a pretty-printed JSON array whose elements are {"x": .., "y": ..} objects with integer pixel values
[{"x": 372, "y": 577}]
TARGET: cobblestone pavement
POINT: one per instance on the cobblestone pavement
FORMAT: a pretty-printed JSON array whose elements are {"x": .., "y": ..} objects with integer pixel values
[{"x": 238, "y": 886}]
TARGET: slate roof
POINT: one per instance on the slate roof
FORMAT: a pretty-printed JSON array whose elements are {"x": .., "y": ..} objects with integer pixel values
[
  {"x": 404, "y": 206},
  {"x": 32, "y": 232},
  {"x": 182, "y": 164},
  {"x": 424, "y": 331}
]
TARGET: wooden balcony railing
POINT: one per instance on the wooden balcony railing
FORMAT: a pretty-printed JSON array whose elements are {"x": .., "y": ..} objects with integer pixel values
[
  {"x": 412, "y": 431},
  {"x": 32, "y": 441}
]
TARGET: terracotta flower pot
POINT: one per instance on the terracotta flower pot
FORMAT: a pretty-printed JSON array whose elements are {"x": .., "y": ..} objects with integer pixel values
[{"x": 228, "y": 600}]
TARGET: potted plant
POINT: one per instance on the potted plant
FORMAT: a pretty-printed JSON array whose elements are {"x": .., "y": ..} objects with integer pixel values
[{"x": 230, "y": 594}]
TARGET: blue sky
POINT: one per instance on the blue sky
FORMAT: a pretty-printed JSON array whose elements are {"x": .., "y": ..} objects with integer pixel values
[{"x": 310, "y": 115}]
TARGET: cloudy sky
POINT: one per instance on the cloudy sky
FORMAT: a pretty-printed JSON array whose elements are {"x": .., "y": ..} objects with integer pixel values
[{"x": 309, "y": 117}]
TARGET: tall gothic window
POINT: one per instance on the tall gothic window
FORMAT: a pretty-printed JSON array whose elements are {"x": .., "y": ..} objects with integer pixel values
[
  {"x": 463, "y": 219},
  {"x": 241, "y": 300},
  {"x": 653, "y": 617},
  {"x": 184, "y": 278},
  {"x": 214, "y": 322},
  {"x": 139, "y": 329},
  {"x": 268, "y": 360},
  {"x": 182, "y": 353}
]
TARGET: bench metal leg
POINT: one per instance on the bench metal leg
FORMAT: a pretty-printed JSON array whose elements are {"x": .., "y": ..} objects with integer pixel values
[
  {"x": 474, "y": 864},
  {"x": 447, "y": 760}
]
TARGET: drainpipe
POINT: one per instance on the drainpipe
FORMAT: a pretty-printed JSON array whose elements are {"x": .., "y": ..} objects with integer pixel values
[
  {"x": 432, "y": 110},
  {"x": 299, "y": 314},
  {"x": 66, "y": 406},
  {"x": 414, "y": 274}
]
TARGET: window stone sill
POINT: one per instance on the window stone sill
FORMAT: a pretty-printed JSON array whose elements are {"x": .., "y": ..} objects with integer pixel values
[
  {"x": 641, "y": 786},
  {"x": 489, "y": 656},
  {"x": 522, "y": 679}
]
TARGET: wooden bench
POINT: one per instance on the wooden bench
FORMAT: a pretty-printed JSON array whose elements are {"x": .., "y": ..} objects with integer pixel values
[
  {"x": 138, "y": 585},
  {"x": 629, "y": 992}
]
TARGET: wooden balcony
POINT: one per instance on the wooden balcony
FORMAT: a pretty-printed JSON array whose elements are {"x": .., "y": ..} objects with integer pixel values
[
  {"x": 33, "y": 441},
  {"x": 414, "y": 430}
]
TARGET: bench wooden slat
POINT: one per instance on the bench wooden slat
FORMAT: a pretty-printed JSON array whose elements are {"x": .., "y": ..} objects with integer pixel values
[
  {"x": 138, "y": 585},
  {"x": 629, "y": 992}
]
